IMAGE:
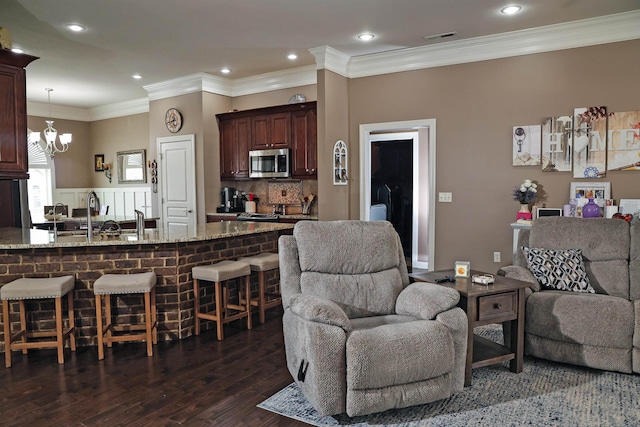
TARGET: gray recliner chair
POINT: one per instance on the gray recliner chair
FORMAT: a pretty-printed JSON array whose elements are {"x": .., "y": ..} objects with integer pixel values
[{"x": 359, "y": 338}]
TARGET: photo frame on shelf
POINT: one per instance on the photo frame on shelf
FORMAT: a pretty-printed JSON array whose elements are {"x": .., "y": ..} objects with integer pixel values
[
  {"x": 98, "y": 162},
  {"x": 581, "y": 192}
]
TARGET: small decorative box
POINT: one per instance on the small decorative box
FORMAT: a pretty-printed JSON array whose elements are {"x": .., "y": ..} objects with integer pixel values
[{"x": 462, "y": 268}]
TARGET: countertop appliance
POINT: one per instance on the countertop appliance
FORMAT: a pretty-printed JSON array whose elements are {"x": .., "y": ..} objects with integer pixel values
[
  {"x": 258, "y": 217},
  {"x": 230, "y": 201},
  {"x": 270, "y": 163}
]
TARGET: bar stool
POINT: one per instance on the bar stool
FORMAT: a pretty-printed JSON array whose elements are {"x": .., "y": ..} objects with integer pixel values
[
  {"x": 262, "y": 263},
  {"x": 38, "y": 288},
  {"x": 220, "y": 273},
  {"x": 121, "y": 284}
]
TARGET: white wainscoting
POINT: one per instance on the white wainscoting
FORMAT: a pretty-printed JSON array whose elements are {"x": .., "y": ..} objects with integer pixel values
[{"x": 121, "y": 201}]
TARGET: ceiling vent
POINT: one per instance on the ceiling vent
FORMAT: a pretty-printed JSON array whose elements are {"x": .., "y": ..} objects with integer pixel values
[{"x": 440, "y": 36}]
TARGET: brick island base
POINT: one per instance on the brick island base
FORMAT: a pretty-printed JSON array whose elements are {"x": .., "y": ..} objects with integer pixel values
[{"x": 172, "y": 263}]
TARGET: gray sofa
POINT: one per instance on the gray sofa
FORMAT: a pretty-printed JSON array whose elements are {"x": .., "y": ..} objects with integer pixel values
[
  {"x": 599, "y": 330},
  {"x": 358, "y": 337}
]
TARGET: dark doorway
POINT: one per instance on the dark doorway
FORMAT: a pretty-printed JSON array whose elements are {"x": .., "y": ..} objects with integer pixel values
[{"x": 392, "y": 186}]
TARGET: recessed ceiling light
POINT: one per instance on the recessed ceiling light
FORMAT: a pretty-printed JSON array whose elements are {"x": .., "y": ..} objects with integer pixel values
[
  {"x": 365, "y": 37},
  {"x": 76, "y": 27},
  {"x": 136, "y": 76},
  {"x": 17, "y": 50},
  {"x": 292, "y": 56},
  {"x": 225, "y": 71},
  {"x": 510, "y": 10}
]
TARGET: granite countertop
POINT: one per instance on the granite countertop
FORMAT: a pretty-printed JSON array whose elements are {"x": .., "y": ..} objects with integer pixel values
[
  {"x": 25, "y": 238},
  {"x": 312, "y": 217}
]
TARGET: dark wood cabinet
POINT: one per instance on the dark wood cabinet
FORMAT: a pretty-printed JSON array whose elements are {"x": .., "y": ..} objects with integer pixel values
[
  {"x": 234, "y": 147},
  {"x": 14, "y": 163},
  {"x": 291, "y": 126},
  {"x": 304, "y": 145},
  {"x": 271, "y": 131}
]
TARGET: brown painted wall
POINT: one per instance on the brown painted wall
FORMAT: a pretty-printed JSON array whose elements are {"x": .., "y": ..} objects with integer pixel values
[
  {"x": 74, "y": 168},
  {"x": 476, "y": 106},
  {"x": 271, "y": 98},
  {"x": 112, "y": 135}
]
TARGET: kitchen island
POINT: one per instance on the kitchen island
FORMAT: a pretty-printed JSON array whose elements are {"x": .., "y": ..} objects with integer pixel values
[{"x": 38, "y": 253}]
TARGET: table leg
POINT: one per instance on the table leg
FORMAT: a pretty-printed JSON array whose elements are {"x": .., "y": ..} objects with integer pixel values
[
  {"x": 472, "y": 307},
  {"x": 517, "y": 336}
]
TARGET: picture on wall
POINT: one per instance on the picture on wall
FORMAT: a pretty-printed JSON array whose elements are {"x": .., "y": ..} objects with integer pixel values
[
  {"x": 557, "y": 144},
  {"x": 526, "y": 145},
  {"x": 590, "y": 142},
  {"x": 624, "y": 141},
  {"x": 99, "y": 162}
]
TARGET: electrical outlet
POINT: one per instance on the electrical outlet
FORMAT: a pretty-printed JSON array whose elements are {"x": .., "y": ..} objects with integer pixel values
[
  {"x": 496, "y": 257},
  {"x": 445, "y": 197}
]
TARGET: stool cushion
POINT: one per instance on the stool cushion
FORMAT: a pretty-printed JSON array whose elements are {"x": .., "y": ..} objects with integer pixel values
[
  {"x": 35, "y": 288},
  {"x": 262, "y": 262},
  {"x": 221, "y": 271},
  {"x": 124, "y": 283}
]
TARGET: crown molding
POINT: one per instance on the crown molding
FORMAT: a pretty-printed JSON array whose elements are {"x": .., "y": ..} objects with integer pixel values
[
  {"x": 120, "y": 109},
  {"x": 62, "y": 112},
  {"x": 198, "y": 82},
  {"x": 331, "y": 59},
  {"x": 568, "y": 35},
  {"x": 285, "y": 79}
]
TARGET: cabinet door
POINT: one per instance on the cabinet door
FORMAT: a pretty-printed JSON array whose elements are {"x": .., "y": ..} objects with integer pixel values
[
  {"x": 234, "y": 148},
  {"x": 13, "y": 123},
  {"x": 270, "y": 131},
  {"x": 304, "y": 144}
]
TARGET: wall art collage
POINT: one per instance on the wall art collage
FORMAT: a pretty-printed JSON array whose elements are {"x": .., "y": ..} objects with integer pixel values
[{"x": 589, "y": 143}]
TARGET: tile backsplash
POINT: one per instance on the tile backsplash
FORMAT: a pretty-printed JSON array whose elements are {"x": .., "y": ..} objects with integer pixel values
[{"x": 270, "y": 192}]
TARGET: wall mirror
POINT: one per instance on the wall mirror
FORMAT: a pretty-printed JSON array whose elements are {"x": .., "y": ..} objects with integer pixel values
[{"x": 131, "y": 167}]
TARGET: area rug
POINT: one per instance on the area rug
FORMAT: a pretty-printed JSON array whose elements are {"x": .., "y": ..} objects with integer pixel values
[{"x": 544, "y": 394}]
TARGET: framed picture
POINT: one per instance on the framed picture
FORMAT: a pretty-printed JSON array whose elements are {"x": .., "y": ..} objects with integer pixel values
[
  {"x": 99, "y": 162},
  {"x": 526, "y": 145},
  {"x": 624, "y": 145},
  {"x": 590, "y": 190},
  {"x": 557, "y": 144},
  {"x": 590, "y": 142}
]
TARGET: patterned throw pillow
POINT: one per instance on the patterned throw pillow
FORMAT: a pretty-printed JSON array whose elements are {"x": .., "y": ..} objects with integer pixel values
[{"x": 560, "y": 269}]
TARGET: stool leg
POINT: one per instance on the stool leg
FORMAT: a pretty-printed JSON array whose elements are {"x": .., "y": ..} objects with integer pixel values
[
  {"x": 7, "y": 333},
  {"x": 100, "y": 330},
  {"x": 59, "y": 331},
  {"x": 147, "y": 323},
  {"x": 196, "y": 306},
  {"x": 23, "y": 323},
  {"x": 154, "y": 316},
  {"x": 219, "y": 311},
  {"x": 261, "y": 297},
  {"x": 72, "y": 322},
  {"x": 247, "y": 290},
  {"x": 108, "y": 320}
]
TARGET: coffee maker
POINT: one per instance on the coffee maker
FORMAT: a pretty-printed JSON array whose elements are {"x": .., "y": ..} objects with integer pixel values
[{"x": 230, "y": 201}]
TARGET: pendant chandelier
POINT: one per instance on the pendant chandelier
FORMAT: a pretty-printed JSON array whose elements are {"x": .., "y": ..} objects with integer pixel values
[{"x": 51, "y": 146}]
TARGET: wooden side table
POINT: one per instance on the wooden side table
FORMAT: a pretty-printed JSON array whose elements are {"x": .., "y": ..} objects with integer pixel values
[{"x": 502, "y": 301}]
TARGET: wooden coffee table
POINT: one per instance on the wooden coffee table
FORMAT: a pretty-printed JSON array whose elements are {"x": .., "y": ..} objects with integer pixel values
[{"x": 502, "y": 301}]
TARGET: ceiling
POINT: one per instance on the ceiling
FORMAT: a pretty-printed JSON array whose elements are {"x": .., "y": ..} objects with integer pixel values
[{"x": 169, "y": 39}]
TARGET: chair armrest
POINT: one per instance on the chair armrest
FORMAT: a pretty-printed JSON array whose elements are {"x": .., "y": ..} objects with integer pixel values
[
  {"x": 320, "y": 310},
  {"x": 426, "y": 300},
  {"x": 520, "y": 273}
]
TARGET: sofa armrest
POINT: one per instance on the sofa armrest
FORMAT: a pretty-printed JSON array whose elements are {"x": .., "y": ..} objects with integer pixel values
[
  {"x": 319, "y": 310},
  {"x": 520, "y": 273},
  {"x": 426, "y": 300}
]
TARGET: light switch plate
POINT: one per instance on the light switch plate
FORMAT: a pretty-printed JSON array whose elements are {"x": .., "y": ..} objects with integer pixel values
[{"x": 445, "y": 197}]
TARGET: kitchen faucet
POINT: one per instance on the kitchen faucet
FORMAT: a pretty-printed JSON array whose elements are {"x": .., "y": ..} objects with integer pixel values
[
  {"x": 139, "y": 223},
  {"x": 92, "y": 198}
]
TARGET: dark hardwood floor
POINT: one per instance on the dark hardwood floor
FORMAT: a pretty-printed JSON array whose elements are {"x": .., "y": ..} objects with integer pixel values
[{"x": 198, "y": 381}]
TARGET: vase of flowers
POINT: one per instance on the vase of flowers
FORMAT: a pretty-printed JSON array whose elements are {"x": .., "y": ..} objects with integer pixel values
[{"x": 525, "y": 193}]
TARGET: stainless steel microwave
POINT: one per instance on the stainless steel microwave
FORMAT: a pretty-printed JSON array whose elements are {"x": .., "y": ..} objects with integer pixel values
[{"x": 270, "y": 163}]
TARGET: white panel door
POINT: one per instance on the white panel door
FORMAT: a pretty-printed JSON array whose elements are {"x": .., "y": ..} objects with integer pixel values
[{"x": 177, "y": 182}]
